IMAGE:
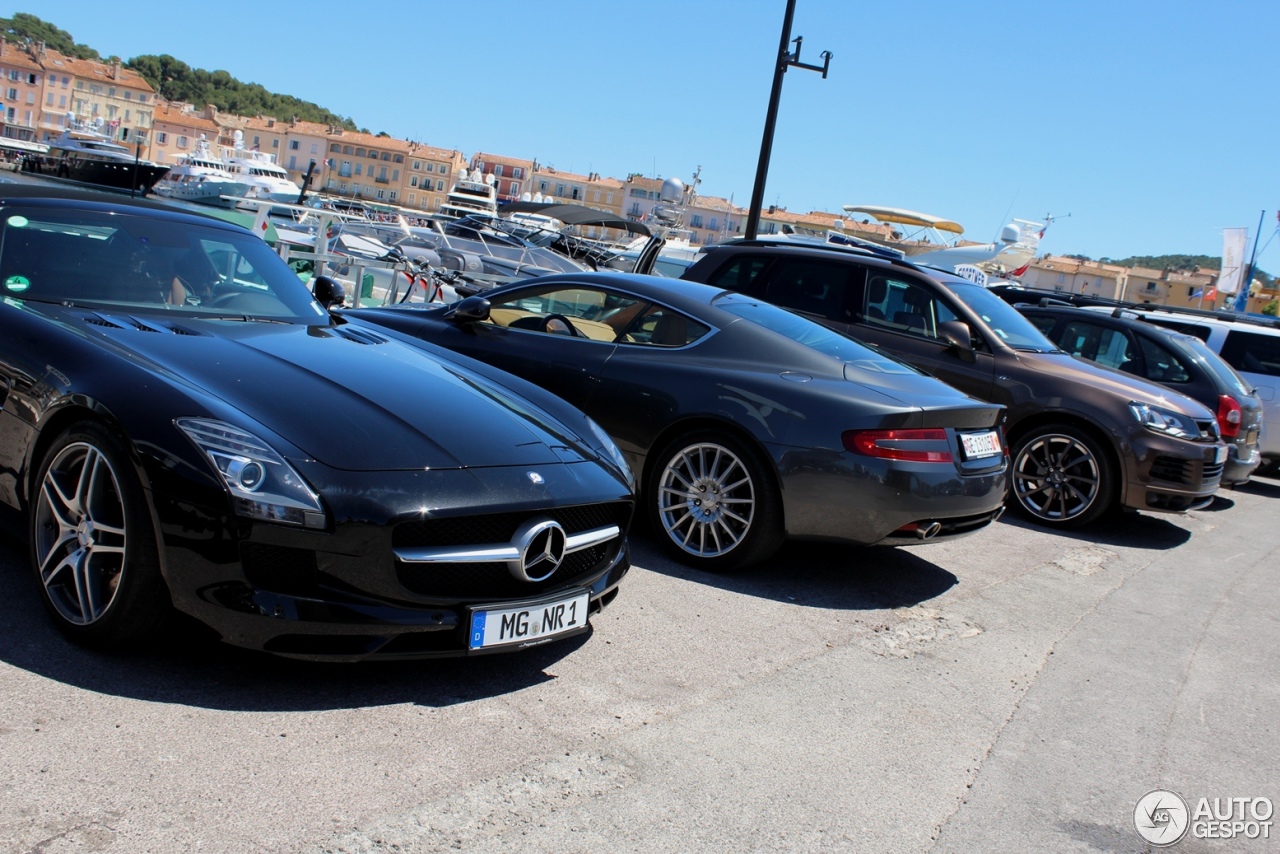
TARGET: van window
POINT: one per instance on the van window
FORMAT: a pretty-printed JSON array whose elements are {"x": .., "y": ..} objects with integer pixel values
[
  {"x": 815, "y": 287},
  {"x": 1110, "y": 347},
  {"x": 1252, "y": 352},
  {"x": 741, "y": 275},
  {"x": 904, "y": 306},
  {"x": 1162, "y": 366}
]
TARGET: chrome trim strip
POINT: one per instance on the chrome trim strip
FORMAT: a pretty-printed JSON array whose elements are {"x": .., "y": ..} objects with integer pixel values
[{"x": 499, "y": 554}]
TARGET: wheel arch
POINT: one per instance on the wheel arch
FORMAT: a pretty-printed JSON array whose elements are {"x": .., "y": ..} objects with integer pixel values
[
  {"x": 53, "y": 426},
  {"x": 1090, "y": 428}
]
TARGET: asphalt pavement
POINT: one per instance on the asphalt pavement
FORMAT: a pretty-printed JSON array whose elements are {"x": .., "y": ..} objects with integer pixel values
[{"x": 1017, "y": 690}]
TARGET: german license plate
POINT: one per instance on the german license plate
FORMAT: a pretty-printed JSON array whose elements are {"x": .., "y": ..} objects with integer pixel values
[
  {"x": 1220, "y": 455},
  {"x": 979, "y": 445},
  {"x": 526, "y": 624}
]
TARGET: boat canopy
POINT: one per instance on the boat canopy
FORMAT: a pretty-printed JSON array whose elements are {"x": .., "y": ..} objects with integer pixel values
[
  {"x": 575, "y": 215},
  {"x": 905, "y": 217}
]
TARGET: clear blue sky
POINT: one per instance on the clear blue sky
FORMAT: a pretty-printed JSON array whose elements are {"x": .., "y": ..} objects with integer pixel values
[{"x": 1153, "y": 123}]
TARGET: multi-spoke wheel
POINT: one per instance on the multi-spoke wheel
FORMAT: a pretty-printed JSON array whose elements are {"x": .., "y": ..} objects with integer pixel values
[
  {"x": 92, "y": 542},
  {"x": 1061, "y": 477},
  {"x": 713, "y": 503}
]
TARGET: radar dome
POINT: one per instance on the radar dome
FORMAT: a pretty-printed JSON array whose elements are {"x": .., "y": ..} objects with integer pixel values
[{"x": 672, "y": 190}]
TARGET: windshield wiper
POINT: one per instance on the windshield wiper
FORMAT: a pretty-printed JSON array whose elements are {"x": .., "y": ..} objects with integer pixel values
[{"x": 246, "y": 318}]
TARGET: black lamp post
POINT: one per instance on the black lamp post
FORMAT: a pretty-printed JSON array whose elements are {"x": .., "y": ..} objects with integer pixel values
[{"x": 785, "y": 58}]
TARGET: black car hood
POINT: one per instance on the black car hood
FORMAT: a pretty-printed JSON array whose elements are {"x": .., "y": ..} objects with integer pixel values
[{"x": 344, "y": 394}]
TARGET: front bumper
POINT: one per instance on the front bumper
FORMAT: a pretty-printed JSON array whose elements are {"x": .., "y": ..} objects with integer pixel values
[
  {"x": 343, "y": 594},
  {"x": 1165, "y": 474}
]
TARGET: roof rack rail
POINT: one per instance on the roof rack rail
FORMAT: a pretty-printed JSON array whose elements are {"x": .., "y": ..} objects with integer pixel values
[{"x": 1030, "y": 295}]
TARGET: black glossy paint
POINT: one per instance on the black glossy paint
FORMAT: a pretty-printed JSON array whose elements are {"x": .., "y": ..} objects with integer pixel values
[
  {"x": 382, "y": 431},
  {"x": 791, "y": 401}
]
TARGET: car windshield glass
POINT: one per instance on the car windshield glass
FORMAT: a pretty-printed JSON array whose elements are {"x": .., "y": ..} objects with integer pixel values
[
  {"x": 1004, "y": 321},
  {"x": 1224, "y": 372},
  {"x": 808, "y": 333},
  {"x": 136, "y": 262}
]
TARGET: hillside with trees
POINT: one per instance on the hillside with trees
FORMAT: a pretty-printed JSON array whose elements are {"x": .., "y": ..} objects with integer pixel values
[
  {"x": 1187, "y": 263},
  {"x": 177, "y": 81}
]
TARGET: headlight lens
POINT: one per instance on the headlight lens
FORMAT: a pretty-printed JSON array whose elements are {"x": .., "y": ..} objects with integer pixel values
[
  {"x": 1163, "y": 421},
  {"x": 610, "y": 448},
  {"x": 262, "y": 485}
]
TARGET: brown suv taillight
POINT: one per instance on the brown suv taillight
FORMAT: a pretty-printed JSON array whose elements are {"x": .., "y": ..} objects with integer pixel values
[
  {"x": 1229, "y": 416},
  {"x": 917, "y": 446}
]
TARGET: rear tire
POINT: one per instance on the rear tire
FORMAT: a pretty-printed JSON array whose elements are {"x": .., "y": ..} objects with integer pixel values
[
  {"x": 1061, "y": 477},
  {"x": 92, "y": 542},
  {"x": 713, "y": 503}
]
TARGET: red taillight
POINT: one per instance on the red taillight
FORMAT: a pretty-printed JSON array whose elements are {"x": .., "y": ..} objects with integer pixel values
[
  {"x": 917, "y": 446},
  {"x": 1229, "y": 416}
]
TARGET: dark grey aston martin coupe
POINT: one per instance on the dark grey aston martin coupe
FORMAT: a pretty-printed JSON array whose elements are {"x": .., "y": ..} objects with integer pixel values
[
  {"x": 183, "y": 424},
  {"x": 743, "y": 422}
]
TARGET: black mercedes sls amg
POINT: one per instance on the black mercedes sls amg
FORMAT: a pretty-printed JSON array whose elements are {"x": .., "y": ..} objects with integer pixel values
[{"x": 184, "y": 425}]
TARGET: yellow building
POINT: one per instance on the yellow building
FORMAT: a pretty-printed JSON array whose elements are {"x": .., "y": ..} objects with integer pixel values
[
  {"x": 23, "y": 88},
  {"x": 123, "y": 101},
  {"x": 177, "y": 129}
]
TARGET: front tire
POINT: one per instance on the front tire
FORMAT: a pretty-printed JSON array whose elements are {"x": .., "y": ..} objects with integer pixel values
[
  {"x": 1061, "y": 477},
  {"x": 93, "y": 545},
  {"x": 713, "y": 503}
]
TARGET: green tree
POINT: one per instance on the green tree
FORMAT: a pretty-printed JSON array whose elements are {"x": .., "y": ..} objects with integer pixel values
[
  {"x": 23, "y": 26},
  {"x": 1271, "y": 308}
]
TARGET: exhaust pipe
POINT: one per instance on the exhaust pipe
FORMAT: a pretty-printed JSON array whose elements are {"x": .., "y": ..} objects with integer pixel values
[{"x": 929, "y": 531}]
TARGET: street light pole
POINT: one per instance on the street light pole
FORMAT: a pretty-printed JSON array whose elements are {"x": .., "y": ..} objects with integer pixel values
[{"x": 785, "y": 58}]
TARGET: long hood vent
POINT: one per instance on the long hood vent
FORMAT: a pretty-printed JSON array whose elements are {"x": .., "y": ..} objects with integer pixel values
[
  {"x": 358, "y": 336},
  {"x": 138, "y": 324}
]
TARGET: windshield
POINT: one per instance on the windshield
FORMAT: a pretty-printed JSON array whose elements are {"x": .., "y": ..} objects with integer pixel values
[
  {"x": 138, "y": 262},
  {"x": 1003, "y": 320},
  {"x": 810, "y": 334}
]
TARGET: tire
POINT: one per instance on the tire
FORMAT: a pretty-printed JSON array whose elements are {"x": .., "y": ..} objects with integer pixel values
[
  {"x": 93, "y": 545},
  {"x": 713, "y": 503},
  {"x": 1061, "y": 477}
]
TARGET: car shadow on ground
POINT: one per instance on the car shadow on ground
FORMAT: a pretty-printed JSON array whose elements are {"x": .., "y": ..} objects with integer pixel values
[
  {"x": 186, "y": 665},
  {"x": 1128, "y": 529},
  {"x": 818, "y": 575},
  {"x": 1256, "y": 486}
]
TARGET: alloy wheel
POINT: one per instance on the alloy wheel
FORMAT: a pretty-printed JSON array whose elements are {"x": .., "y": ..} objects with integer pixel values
[
  {"x": 80, "y": 543},
  {"x": 1056, "y": 477},
  {"x": 706, "y": 500}
]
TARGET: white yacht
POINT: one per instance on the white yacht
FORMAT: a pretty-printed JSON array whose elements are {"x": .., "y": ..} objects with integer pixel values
[
  {"x": 202, "y": 178},
  {"x": 474, "y": 194},
  {"x": 258, "y": 170}
]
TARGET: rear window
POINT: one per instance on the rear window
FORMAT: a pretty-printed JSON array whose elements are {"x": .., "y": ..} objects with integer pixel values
[
  {"x": 1214, "y": 363},
  {"x": 1252, "y": 352}
]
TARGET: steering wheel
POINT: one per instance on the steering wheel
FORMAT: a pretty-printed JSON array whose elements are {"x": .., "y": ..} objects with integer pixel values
[{"x": 558, "y": 324}]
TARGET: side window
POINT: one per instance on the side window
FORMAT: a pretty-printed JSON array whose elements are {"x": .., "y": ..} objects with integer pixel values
[
  {"x": 904, "y": 306},
  {"x": 1110, "y": 347},
  {"x": 660, "y": 326},
  {"x": 1252, "y": 352},
  {"x": 815, "y": 287},
  {"x": 1162, "y": 365},
  {"x": 586, "y": 311},
  {"x": 741, "y": 275}
]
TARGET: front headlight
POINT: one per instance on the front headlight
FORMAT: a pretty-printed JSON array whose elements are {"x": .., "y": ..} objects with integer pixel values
[
  {"x": 610, "y": 448},
  {"x": 262, "y": 485},
  {"x": 1163, "y": 421}
]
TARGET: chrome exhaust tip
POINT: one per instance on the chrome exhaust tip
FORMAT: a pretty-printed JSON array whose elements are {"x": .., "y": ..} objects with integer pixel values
[{"x": 929, "y": 531}]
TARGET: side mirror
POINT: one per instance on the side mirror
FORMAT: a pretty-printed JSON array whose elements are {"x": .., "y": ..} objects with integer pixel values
[
  {"x": 958, "y": 334},
  {"x": 469, "y": 310},
  {"x": 329, "y": 292}
]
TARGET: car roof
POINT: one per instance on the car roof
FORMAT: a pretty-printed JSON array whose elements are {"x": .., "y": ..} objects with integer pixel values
[
  {"x": 70, "y": 198},
  {"x": 802, "y": 247}
]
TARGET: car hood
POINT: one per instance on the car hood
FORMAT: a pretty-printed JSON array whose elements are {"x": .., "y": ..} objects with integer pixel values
[
  {"x": 1079, "y": 377},
  {"x": 345, "y": 394}
]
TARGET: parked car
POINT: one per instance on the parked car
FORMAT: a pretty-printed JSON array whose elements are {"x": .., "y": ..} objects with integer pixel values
[
  {"x": 1083, "y": 437},
  {"x": 1252, "y": 349},
  {"x": 744, "y": 423},
  {"x": 182, "y": 424},
  {"x": 1167, "y": 357}
]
